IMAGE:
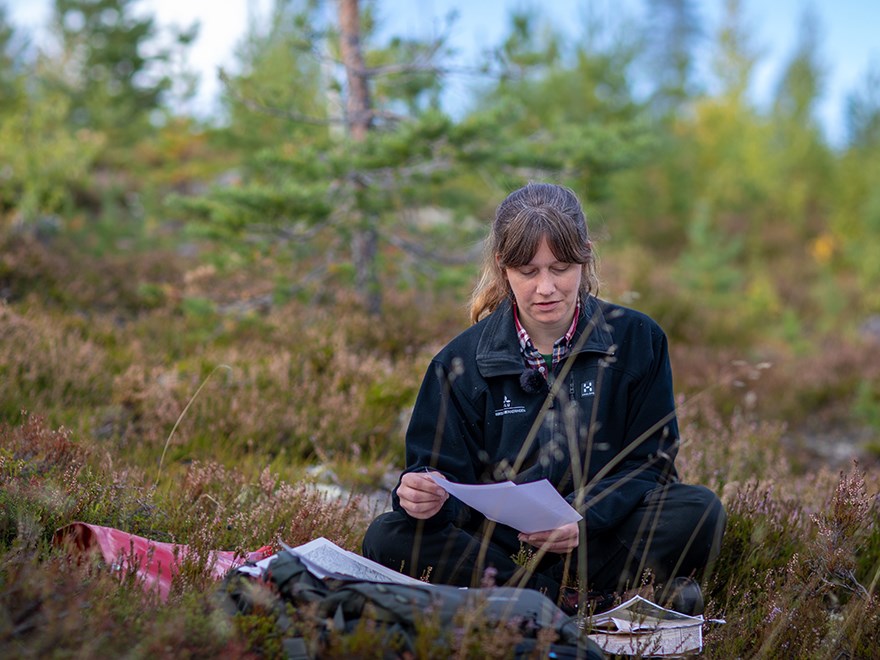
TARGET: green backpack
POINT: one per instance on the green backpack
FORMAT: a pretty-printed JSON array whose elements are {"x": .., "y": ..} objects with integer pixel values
[{"x": 328, "y": 610}]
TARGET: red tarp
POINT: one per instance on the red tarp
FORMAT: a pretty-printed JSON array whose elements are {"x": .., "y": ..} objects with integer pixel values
[{"x": 156, "y": 562}]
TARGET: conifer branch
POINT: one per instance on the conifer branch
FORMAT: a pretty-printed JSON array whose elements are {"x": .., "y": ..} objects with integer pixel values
[
  {"x": 424, "y": 63},
  {"x": 257, "y": 106}
]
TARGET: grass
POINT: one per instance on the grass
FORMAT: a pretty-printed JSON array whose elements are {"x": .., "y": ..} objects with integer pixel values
[{"x": 137, "y": 397}]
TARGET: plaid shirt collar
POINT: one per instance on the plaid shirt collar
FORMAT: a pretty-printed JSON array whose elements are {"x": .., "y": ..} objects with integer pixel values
[{"x": 532, "y": 356}]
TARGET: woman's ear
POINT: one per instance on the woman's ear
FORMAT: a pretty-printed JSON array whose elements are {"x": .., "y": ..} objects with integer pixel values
[{"x": 500, "y": 267}]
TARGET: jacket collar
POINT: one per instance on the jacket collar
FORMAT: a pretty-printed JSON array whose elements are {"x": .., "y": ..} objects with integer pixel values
[{"x": 498, "y": 350}]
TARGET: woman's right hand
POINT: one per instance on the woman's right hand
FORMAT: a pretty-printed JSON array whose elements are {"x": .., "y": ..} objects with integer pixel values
[{"x": 419, "y": 496}]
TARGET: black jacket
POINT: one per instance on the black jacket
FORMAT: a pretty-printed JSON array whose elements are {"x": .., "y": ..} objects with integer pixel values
[{"x": 608, "y": 434}]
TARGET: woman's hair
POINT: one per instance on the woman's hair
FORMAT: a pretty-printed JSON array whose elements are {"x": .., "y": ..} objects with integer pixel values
[{"x": 535, "y": 211}]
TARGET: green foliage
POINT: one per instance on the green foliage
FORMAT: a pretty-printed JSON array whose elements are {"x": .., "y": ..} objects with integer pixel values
[
  {"x": 44, "y": 162},
  {"x": 708, "y": 263},
  {"x": 319, "y": 187},
  {"x": 863, "y": 112},
  {"x": 568, "y": 109},
  {"x": 71, "y": 116},
  {"x": 801, "y": 84},
  {"x": 866, "y": 406},
  {"x": 112, "y": 83},
  {"x": 854, "y": 224},
  {"x": 278, "y": 80},
  {"x": 807, "y": 602},
  {"x": 11, "y": 74},
  {"x": 311, "y": 188},
  {"x": 735, "y": 54},
  {"x": 803, "y": 174}
]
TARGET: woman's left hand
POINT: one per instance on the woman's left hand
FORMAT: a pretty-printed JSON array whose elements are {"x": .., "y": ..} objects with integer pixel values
[{"x": 560, "y": 540}]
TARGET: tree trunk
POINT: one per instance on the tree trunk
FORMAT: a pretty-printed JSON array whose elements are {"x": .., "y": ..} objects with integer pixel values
[{"x": 365, "y": 240}]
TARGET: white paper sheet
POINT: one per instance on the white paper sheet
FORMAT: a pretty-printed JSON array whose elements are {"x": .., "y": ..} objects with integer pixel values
[
  {"x": 637, "y": 613},
  {"x": 324, "y": 559},
  {"x": 531, "y": 507}
]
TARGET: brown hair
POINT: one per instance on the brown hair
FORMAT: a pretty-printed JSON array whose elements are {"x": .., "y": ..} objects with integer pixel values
[{"x": 535, "y": 211}]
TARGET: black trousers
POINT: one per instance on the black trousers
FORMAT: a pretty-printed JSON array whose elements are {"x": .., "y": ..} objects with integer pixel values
[{"x": 676, "y": 531}]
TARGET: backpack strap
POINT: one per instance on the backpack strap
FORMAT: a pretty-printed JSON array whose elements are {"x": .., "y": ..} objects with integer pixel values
[{"x": 294, "y": 582}]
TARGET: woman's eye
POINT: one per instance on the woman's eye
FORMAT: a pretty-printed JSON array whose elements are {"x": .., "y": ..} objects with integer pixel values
[
  {"x": 561, "y": 268},
  {"x": 527, "y": 272}
]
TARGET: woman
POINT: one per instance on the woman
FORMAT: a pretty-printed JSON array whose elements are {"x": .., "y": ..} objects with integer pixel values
[{"x": 550, "y": 382}]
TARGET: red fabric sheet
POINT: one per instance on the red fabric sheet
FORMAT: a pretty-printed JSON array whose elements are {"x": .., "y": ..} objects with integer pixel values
[{"x": 156, "y": 563}]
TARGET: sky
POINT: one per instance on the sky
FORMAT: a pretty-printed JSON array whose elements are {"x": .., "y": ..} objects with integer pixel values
[{"x": 848, "y": 35}]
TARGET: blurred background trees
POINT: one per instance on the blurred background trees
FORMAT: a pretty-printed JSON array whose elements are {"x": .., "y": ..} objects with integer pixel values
[{"x": 329, "y": 170}]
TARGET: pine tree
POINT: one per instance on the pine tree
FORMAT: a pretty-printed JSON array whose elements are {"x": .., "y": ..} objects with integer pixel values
[
  {"x": 277, "y": 91},
  {"x": 343, "y": 175},
  {"x": 41, "y": 158},
  {"x": 113, "y": 68},
  {"x": 388, "y": 179},
  {"x": 568, "y": 107}
]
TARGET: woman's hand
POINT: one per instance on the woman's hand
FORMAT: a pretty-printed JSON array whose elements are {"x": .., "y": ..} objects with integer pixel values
[
  {"x": 561, "y": 540},
  {"x": 419, "y": 496}
]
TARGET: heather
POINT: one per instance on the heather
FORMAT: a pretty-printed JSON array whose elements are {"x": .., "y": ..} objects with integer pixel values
[{"x": 229, "y": 430}]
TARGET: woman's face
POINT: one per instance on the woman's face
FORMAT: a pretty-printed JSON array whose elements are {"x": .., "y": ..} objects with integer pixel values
[{"x": 546, "y": 292}]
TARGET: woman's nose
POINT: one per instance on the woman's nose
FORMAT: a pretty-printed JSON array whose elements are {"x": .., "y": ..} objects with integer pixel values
[{"x": 546, "y": 283}]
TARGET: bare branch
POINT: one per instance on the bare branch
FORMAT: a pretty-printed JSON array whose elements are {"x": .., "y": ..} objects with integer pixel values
[
  {"x": 387, "y": 177},
  {"x": 315, "y": 274},
  {"x": 421, "y": 67},
  {"x": 387, "y": 115},
  {"x": 421, "y": 252},
  {"x": 401, "y": 68},
  {"x": 288, "y": 233}
]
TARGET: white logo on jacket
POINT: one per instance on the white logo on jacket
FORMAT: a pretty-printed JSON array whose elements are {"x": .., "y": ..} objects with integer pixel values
[{"x": 508, "y": 408}]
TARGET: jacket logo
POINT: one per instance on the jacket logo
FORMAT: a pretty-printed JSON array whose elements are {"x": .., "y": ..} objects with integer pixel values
[
  {"x": 508, "y": 408},
  {"x": 588, "y": 389}
]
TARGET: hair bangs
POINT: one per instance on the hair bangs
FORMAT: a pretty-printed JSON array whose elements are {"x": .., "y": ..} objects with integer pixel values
[{"x": 526, "y": 230}]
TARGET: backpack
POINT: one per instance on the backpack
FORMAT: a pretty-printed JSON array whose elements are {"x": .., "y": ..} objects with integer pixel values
[{"x": 330, "y": 609}]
